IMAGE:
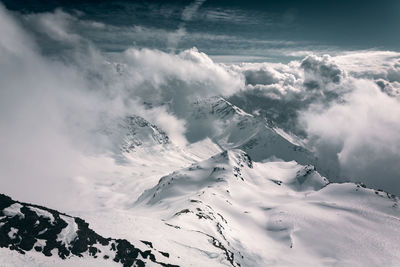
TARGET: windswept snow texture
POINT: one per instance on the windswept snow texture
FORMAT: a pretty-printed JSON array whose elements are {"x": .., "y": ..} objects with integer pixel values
[
  {"x": 43, "y": 231},
  {"x": 275, "y": 213}
]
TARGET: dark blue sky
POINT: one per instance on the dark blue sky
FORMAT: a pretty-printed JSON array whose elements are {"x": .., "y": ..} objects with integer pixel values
[{"x": 250, "y": 25}]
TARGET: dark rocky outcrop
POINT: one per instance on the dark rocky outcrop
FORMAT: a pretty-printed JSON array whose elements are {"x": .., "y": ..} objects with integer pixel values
[{"x": 25, "y": 227}]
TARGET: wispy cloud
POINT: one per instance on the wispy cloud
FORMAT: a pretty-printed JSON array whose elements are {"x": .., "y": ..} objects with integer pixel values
[
  {"x": 191, "y": 10},
  {"x": 187, "y": 15}
]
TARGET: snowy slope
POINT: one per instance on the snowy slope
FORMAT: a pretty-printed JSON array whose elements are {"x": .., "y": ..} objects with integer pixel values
[
  {"x": 248, "y": 195},
  {"x": 143, "y": 153},
  {"x": 38, "y": 231},
  {"x": 275, "y": 212}
]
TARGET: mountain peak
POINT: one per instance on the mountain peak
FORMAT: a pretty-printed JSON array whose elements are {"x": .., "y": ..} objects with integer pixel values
[
  {"x": 218, "y": 107},
  {"x": 140, "y": 132}
]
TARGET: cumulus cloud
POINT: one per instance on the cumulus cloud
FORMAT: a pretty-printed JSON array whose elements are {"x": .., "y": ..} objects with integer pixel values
[
  {"x": 381, "y": 66},
  {"x": 319, "y": 71},
  {"x": 371, "y": 64},
  {"x": 264, "y": 76},
  {"x": 280, "y": 91},
  {"x": 390, "y": 88},
  {"x": 190, "y": 66}
]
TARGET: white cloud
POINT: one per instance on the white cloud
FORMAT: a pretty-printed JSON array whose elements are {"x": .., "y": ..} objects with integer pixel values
[
  {"x": 321, "y": 69},
  {"x": 53, "y": 110},
  {"x": 365, "y": 132},
  {"x": 33, "y": 92},
  {"x": 176, "y": 78},
  {"x": 369, "y": 63}
]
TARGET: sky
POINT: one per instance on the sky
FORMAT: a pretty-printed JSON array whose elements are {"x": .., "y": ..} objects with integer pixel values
[
  {"x": 327, "y": 71},
  {"x": 227, "y": 29}
]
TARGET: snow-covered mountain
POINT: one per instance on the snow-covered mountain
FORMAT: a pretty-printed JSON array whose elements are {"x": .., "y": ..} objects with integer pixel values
[
  {"x": 261, "y": 139},
  {"x": 36, "y": 232},
  {"x": 274, "y": 213},
  {"x": 248, "y": 194},
  {"x": 238, "y": 129}
]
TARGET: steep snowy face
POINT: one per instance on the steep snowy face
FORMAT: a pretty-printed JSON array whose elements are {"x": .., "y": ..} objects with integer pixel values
[
  {"x": 274, "y": 212},
  {"x": 217, "y": 107},
  {"x": 140, "y": 132},
  {"x": 132, "y": 132},
  {"x": 238, "y": 129},
  {"x": 38, "y": 231}
]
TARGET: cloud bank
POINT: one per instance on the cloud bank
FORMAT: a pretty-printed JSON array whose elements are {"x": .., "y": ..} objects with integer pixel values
[{"x": 364, "y": 130}]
